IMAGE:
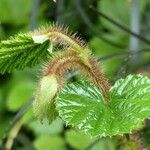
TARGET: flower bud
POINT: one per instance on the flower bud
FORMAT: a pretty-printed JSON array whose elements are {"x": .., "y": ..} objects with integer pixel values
[{"x": 44, "y": 106}]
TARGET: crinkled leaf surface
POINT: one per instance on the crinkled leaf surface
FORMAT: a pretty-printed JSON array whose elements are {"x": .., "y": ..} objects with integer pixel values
[
  {"x": 22, "y": 51},
  {"x": 82, "y": 105}
]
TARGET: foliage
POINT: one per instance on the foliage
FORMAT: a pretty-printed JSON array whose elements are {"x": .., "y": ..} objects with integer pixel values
[
  {"x": 47, "y": 143},
  {"x": 82, "y": 105},
  {"x": 21, "y": 51},
  {"x": 94, "y": 108},
  {"x": 15, "y": 100},
  {"x": 16, "y": 14},
  {"x": 107, "y": 42}
]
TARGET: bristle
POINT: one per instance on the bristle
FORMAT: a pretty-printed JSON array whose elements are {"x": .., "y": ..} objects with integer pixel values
[
  {"x": 138, "y": 141},
  {"x": 55, "y": 30},
  {"x": 76, "y": 56},
  {"x": 63, "y": 63},
  {"x": 99, "y": 75},
  {"x": 66, "y": 60},
  {"x": 58, "y": 58},
  {"x": 76, "y": 63}
]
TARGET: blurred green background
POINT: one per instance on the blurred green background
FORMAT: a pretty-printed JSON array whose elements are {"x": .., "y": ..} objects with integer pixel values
[{"x": 120, "y": 53}]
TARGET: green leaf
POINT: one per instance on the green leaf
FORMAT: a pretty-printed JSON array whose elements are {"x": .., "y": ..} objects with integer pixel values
[
  {"x": 82, "y": 105},
  {"x": 20, "y": 94},
  {"x": 78, "y": 140},
  {"x": 49, "y": 143},
  {"x": 47, "y": 129},
  {"x": 16, "y": 13},
  {"x": 24, "y": 50},
  {"x": 82, "y": 141}
]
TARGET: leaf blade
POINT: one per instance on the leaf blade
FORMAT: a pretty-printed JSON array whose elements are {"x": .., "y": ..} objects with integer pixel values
[
  {"x": 22, "y": 51},
  {"x": 125, "y": 111}
]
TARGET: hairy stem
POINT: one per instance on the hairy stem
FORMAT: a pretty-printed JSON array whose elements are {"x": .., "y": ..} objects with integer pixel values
[
  {"x": 71, "y": 60},
  {"x": 135, "y": 137},
  {"x": 77, "y": 56},
  {"x": 58, "y": 35}
]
